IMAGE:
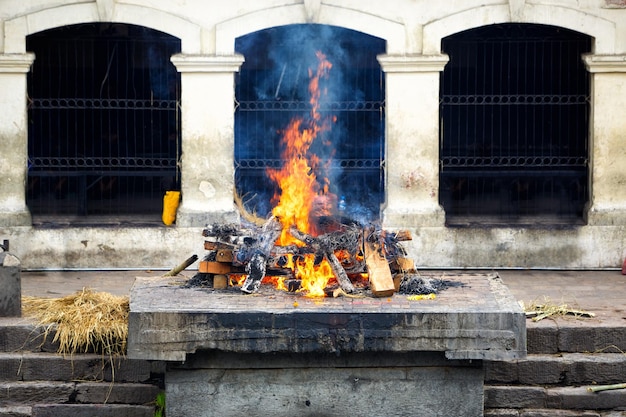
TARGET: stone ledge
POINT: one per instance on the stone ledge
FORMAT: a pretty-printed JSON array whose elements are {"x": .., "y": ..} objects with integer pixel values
[{"x": 479, "y": 320}]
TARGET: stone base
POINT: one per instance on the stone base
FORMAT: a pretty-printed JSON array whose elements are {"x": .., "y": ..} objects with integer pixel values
[{"x": 353, "y": 384}]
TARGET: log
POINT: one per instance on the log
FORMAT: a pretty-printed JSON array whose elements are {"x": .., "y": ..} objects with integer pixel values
[
  {"x": 178, "y": 269},
  {"x": 381, "y": 281},
  {"x": 261, "y": 248}
]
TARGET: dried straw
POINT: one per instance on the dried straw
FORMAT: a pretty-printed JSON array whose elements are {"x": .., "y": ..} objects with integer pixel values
[
  {"x": 545, "y": 309},
  {"x": 86, "y": 321}
]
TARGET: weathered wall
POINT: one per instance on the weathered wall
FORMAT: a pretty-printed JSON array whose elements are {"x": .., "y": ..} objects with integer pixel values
[{"x": 413, "y": 31}]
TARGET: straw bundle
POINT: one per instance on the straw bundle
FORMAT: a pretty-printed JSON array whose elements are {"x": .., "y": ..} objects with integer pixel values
[{"x": 86, "y": 321}]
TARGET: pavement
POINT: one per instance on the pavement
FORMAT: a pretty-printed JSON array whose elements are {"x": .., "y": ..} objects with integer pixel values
[{"x": 600, "y": 292}]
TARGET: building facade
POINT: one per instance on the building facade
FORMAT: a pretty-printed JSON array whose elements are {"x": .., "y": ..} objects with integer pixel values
[{"x": 412, "y": 64}]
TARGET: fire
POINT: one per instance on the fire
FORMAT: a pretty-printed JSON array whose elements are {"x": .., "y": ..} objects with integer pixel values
[{"x": 302, "y": 195}]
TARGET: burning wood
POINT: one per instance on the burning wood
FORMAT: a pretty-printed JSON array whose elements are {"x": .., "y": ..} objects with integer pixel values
[{"x": 349, "y": 251}]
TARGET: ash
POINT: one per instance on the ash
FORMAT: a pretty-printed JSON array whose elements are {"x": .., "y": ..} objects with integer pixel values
[{"x": 419, "y": 284}]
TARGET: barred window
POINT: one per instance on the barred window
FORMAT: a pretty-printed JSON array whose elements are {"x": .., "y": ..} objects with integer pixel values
[
  {"x": 514, "y": 109},
  {"x": 272, "y": 89},
  {"x": 104, "y": 134}
]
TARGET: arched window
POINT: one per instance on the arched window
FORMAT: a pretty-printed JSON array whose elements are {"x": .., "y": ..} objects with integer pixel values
[
  {"x": 273, "y": 87},
  {"x": 104, "y": 133},
  {"x": 514, "y": 108}
]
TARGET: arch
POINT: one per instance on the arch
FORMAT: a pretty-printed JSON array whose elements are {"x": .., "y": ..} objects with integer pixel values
[
  {"x": 17, "y": 29},
  {"x": 226, "y": 32},
  {"x": 603, "y": 31}
]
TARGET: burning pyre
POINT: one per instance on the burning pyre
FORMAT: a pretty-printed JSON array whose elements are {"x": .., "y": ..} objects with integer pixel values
[{"x": 305, "y": 245}]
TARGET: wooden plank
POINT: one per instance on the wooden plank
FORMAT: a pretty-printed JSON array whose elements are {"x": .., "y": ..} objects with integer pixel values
[
  {"x": 208, "y": 267},
  {"x": 381, "y": 281}
]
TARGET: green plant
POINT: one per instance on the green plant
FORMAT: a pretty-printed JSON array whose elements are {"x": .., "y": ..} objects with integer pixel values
[{"x": 159, "y": 405}]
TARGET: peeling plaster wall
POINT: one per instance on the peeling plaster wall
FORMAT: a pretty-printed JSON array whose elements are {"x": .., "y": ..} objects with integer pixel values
[{"x": 413, "y": 30}]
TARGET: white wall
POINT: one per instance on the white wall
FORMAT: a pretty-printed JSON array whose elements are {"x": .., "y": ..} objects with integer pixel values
[{"x": 413, "y": 30}]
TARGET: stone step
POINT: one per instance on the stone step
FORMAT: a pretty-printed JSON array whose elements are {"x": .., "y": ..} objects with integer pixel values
[
  {"x": 16, "y": 411},
  {"x": 21, "y": 334},
  {"x": 561, "y": 369},
  {"x": 38, "y": 366},
  {"x": 554, "y": 398},
  {"x": 34, "y": 393},
  {"x": 91, "y": 410},
  {"x": 576, "y": 335},
  {"x": 509, "y": 412}
]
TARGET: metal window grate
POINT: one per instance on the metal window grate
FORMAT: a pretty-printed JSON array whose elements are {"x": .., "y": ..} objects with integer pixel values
[
  {"x": 271, "y": 89},
  {"x": 514, "y": 108},
  {"x": 104, "y": 131}
]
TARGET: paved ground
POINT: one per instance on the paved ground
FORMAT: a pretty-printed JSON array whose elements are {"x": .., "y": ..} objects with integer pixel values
[{"x": 601, "y": 292}]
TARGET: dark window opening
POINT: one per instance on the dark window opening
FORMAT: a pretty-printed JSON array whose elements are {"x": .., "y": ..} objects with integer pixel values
[
  {"x": 514, "y": 109},
  {"x": 103, "y": 112},
  {"x": 272, "y": 88}
]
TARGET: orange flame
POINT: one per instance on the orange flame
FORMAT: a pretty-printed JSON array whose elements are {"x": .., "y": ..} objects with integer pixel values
[{"x": 300, "y": 189}]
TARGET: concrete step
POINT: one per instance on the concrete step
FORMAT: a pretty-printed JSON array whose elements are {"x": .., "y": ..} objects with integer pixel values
[
  {"x": 565, "y": 369},
  {"x": 39, "y": 366},
  {"x": 91, "y": 410},
  {"x": 554, "y": 398},
  {"x": 34, "y": 393}
]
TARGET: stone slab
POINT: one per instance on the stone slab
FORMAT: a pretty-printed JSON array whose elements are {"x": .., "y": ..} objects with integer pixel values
[
  {"x": 476, "y": 320},
  {"x": 351, "y": 384}
]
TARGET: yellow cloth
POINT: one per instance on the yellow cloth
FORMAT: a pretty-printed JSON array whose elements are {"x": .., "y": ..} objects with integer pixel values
[{"x": 170, "y": 205}]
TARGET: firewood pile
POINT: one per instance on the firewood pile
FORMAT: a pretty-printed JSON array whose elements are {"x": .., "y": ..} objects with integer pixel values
[{"x": 364, "y": 259}]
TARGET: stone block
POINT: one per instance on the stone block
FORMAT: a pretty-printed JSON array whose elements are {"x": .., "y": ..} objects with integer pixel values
[
  {"x": 15, "y": 411},
  {"x": 514, "y": 396},
  {"x": 105, "y": 392},
  {"x": 92, "y": 410},
  {"x": 10, "y": 282},
  {"x": 35, "y": 392},
  {"x": 542, "y": 337},
  {"x": 578, "y": 398},
  {"x": 342, "y": 387},
  {"x": 559, "y": 413},
  {"x": 28, "y": 366},
  {"x": 501, "y": 412}
]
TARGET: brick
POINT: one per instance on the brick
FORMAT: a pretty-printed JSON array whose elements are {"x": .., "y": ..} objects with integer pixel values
[
  {"x": 105, "y": 392},
  {"x": 514, "y": 396},
  {"x": 92, "y": 410}
]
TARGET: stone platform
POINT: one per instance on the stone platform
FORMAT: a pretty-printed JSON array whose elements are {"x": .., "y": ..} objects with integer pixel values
[
  {"x": 478, "y": 319},
  {"x": 283, "y": 354}
]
